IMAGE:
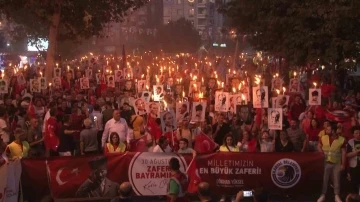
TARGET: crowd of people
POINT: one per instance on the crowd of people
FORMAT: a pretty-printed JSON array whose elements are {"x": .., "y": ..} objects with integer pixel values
[{"x": 95, "y": 106}]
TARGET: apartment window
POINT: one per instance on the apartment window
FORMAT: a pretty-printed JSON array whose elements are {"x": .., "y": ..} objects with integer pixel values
[
  {"x": 167, "y": 11},
  {"x": 179, "y": 12},
  {"x": 191, "y": 12}
]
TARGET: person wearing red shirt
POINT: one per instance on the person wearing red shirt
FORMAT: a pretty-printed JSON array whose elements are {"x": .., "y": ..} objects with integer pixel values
[
  {"x": 297, "y": 107},
  {"x": 306, "y": 123},
  {"x": 313, "y": 133},
  {"x": 51, "y": 138}
]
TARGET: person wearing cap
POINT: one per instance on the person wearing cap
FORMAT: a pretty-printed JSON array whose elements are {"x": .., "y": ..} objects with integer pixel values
[
  {"x": 88, "y": 139},
  {"x": 124, "y": 193},
  {"x": 98, "y": 185},
  {"x": 178, "y": 183},
  {"x": 19, "y": 148}
]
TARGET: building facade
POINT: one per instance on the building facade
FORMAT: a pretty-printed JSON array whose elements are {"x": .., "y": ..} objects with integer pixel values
[{"x": 202, "y": 13}]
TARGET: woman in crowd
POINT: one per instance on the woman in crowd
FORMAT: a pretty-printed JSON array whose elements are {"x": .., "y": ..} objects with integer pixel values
[
  {"x": 228, "y": 144},
  {"x": 247, "y": 143},
  {"x": 313, "y": 133},
  {"x": 115, "y": 145},
  {"x": 266, "y": 144},
  {"x": 283, "y": 144}
]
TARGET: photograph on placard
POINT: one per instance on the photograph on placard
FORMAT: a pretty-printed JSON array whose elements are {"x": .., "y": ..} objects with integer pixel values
[
  {"x": 294, "y": 86},
  {"x": 236, "y": 99},
  {"x": 170, "y": 82},
  {"x": 222, "y": 103},
  {"x": 194, "y": 87},
  {"x": 128, "y": 85},
  {"x": 314, "y": 96},
  {"x": 118, "y": 75},
  {"x": 182, "y": 111},
  {"x": 245, "y": 90},
  {"x": 153, "y": 109},
  {"x": 128, "y": 73},
  {"x": 234, "y": 83},
  {"x": 42, "y": 83},
  {"x": 110, "y": 81},
  {"x": 282, "y": 101},
  {"x": 179, "y": 89},
  {"x": 57, "y": 82},
  {"x": 3, "y": 86},
  {"x": 276, "y": 84},
  {"x": 141, "y": 86},
  {"x": 137, "y": 72},
  {"x": 244, "y": 113},
  {"x": 211, "y": 84},
  {"x": 88, "y": 73},
  {"x": 146, "y": 96},
  {"x": 84, "y": 83},
  {"x": 98, "y": 77},
  {"x": 35, "y": 86},
  {"x": 139, "y": 106},
  {"x": 168, "y": 121},
  {"x": 260, "y": 97},
  {"x": 275, "y": 118},
  {"x": 57, "y": 72},
  {"x": 158, "y": 92},
  {"x": 198, "y": 111},
  {"x": 21, "y": 79}
]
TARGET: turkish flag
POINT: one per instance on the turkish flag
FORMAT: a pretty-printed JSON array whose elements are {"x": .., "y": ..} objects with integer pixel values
[
  {"x": 31, "y": 110},
  {"x": 204, "y": 144},
  {"x": 173, "y": 141},
  {"x": 153, "y": 127},
  {"x": 194, "y": 177},
  {"x": 140, "y": 144},
  {"x": 66, "y": 175}
]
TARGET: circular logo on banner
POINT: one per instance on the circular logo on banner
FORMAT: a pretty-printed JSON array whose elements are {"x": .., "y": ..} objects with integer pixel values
[
  {"x": 286, "y": 173},
  {"x": 149, "y": 172}
]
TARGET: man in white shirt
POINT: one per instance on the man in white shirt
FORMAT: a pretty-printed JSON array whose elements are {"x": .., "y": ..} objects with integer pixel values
[
  {"x": 4, "y": 128},
  {"x": 162, "y": 146},
  {"x": 118, "y": 125}
]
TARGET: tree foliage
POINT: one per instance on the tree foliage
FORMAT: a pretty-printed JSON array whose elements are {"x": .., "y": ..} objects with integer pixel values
[
  {"x": 79, "y": 19},
  {"x": 179, "y": 36},
  {"x": 302, "y": 31}
]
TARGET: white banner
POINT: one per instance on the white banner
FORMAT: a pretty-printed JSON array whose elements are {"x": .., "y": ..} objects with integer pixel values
[
  {"x": 149, "y": 172},
  {"x": 13, "y": 181},
  {"x": 3, "y": 181}
]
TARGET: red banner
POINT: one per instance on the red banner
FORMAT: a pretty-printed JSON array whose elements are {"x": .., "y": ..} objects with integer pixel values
[{"x": 93, "y": 177}]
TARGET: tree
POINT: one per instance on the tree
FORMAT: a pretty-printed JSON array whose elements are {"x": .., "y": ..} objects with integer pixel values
[
  {"x": 59, "y": 20},
  {"x": 301, "y": 31},
  {"x": 178, "y": 36}
]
